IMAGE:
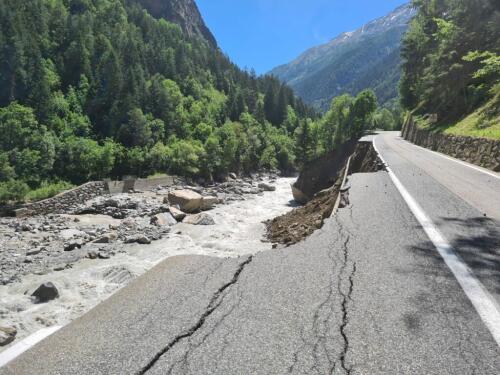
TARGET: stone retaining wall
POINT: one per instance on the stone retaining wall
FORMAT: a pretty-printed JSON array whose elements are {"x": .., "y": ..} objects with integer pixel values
[
  {"x": 479, "y": 151},
  {"x": 65, "y": 201}
]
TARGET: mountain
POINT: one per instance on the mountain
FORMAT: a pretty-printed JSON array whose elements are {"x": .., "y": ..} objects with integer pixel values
[
  {"x": 368, "y": 57},
  {"x": 184, "y": 13}
]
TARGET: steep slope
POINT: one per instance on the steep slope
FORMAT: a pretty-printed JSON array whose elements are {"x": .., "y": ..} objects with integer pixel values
[
  {"x": 365, "y": 58},
  {"x": 185, "y": 13}
]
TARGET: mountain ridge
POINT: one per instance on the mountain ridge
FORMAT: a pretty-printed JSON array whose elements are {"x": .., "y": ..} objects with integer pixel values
[{"x": 325, "y": 71}]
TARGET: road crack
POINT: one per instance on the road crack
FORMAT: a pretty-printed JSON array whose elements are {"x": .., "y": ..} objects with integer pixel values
[{"x": 211, "y": 307}]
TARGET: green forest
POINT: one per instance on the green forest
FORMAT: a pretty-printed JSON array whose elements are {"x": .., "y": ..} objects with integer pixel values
[
  {"x": 94, "y": 89},
  {"x": 451, "y": 65}
]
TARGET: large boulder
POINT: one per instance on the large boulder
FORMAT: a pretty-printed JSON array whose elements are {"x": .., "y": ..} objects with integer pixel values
[
  {"x": 199, "y": 219},
  {"x": 7, "y": 335},
  {"x": 45, "y": 293},
  {"x": 187, "y": 200},
  {"x": 209, "y": 202}
]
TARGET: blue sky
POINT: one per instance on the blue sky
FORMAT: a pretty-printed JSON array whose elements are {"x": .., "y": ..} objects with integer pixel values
[{"x": 262, "y": 34}]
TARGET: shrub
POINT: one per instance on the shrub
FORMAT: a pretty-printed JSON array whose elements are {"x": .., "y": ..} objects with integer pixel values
[
  {"x": 47, "y": 190},
  {"x": 12, "y": 191}
]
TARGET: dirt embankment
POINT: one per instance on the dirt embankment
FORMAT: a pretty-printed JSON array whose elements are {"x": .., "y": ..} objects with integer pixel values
[{"x": 300, "y": 223}]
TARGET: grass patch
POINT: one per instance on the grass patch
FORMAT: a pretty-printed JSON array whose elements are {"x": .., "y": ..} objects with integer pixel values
[
  {"x": 482, "y": 123},
  {"x": 157, "y": 175},
  {"x": 47, "y": 190},
  {"x": 476, "y": 125}
]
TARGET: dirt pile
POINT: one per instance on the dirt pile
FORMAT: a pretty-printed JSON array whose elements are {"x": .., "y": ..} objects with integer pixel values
[{"x": 300, "y": 223}]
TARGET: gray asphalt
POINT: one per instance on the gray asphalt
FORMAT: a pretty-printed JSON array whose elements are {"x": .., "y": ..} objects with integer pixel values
[{"x": 367, "y": 294}]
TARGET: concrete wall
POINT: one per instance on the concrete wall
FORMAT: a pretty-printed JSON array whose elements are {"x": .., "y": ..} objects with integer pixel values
[{"x": 479, "y": 151}]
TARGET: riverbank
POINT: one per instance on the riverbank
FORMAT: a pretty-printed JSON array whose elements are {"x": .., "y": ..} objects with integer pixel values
[{"x": 88, "y": 275}]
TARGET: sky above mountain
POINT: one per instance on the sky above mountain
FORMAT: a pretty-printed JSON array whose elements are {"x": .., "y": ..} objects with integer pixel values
[{"x": 263, "y": 34}]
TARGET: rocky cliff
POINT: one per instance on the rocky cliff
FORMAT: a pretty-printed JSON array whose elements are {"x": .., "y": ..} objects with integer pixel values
[{"x": 185, "y": 13}]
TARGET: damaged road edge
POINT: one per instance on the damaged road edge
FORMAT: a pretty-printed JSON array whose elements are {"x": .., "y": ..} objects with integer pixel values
[{"x": 300, "y": 223}]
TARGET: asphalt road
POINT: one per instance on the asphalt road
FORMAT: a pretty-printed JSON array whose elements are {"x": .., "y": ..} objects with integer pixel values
[{"x": 367, "y": 294}]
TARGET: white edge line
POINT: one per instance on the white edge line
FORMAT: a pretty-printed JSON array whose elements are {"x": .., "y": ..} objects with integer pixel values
[
  {"x": 481, "y": 299},
  {"x": 22, "y": 346},
  {"x": 458, "y": 161}
]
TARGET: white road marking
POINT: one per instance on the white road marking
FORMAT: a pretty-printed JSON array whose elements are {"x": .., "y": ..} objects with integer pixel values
[
  {"x": 481, "y": 299},
  {"x": 475, "y": 167},
  {"x": 22, "y": 346}
]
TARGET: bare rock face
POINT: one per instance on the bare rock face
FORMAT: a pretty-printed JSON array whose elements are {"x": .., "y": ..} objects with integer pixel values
[
  {"x": 7, "y": 335},
  {"x": 199, "y": 219},
  {"x": 45, "y": 293},
  {"x": 184, "y": 13},
  {"x": 188, "y": 200}
]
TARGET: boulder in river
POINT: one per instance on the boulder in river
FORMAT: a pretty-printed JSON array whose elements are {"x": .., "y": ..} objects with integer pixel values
[
  {"x": 7, "y": 335},
  {"x": 209, "y": 202},
  {"x": 199, "y": 219},
  {"x": 176, "y": 213},
  {"x": 164, "y": 219},
  {"x": 72, "y": 245},
  {"x": 45, "y": 293},
  {"x": 267, "y": 187},
  {"x": 188, "y": 200}
]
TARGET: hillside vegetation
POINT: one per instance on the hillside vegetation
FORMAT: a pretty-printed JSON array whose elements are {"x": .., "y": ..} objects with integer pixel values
[
  {"x": 100, "y": 88},
  {"x": 451, "y": 66}
]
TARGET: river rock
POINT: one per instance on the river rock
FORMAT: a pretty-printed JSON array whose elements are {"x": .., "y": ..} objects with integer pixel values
[
  {"x": 199, "y": 219},
  {"x": 72, "y": 245},
  {"x": 208, "y": 203},
  {"x": 140, "y": 239},
  {"x": 164, "y": 219},
  {"x": 35, "y": 251},
  {"x": 188, "y": 200},
  {"x": 7, "y": 335},
  {"x": 45, "y": 293},
  {"x": 267, "y": 187},
  {"x": 68, "y": 234},
  {"x": 176, "y": 213}
]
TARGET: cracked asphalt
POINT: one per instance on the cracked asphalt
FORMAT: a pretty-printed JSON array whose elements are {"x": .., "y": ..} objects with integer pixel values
[{"x": 366, "y": 294}]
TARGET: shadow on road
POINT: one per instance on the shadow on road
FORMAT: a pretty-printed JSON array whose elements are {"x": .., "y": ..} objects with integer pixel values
[{"x": 477, "y": 241}]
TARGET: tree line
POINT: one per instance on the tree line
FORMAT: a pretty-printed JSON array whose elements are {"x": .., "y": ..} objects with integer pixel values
[
  {"x": 93, "y": 89},
  {"x": 451, "y": 58}
]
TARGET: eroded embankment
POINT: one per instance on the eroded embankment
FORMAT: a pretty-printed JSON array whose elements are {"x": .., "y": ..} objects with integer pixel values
[{"x": 300, "y": 223}]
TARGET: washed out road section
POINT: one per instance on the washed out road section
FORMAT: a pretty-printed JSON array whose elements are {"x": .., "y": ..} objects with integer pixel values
[{"x": 361, "y": 295}]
